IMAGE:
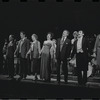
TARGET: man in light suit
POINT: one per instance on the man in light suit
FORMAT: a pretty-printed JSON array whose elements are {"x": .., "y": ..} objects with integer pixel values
[
  {"x": 63, "y": 50},
  {"x": 81, "y": 48},
  {"x": 22, "y": 49}
]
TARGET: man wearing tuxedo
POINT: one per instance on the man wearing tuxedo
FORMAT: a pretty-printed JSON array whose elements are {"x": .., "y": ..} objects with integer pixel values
[
  {"x": 81, "y": 47},
  {"x": 10, "y": 56},
  {"x": 63, "y": 50},
  {"x": 22, "y": 49}
]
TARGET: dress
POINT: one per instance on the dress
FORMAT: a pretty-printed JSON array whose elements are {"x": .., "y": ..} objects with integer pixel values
[
  {"x": 45, "y": 68},
  {"x": 97, "y": 50}
]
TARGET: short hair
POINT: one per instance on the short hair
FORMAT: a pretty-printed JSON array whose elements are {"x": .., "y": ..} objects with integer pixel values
[
  {"x": 12, "y": 36},
  {"x": 50, "y": 34},
  {"x": 35, "y": 36},
  {"x": 75, "y": 33},
  {"x": 22, "y": 32},
  {"x": 67, "y": 31}
]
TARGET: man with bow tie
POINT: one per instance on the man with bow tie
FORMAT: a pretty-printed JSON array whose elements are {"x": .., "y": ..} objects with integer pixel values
[
  {"x": 63, "y": 50},
  {"x": 81, "y": 47},
  {"x": 22, "y": 49}
]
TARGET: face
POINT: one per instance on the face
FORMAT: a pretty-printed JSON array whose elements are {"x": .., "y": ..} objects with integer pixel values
[
  {"x": 33, "y": 38},
  {"x": 65, "y": 33},
  {"x": 80, "y": 33},
  {"x": 10, "y": 38},
  {"x": 22, "y": 35},
  {"x": 75, "y": 34},
  {"x": 48, "y": 36}
]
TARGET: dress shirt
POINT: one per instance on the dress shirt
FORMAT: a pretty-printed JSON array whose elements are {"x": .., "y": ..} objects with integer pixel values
[{"x": 79, "y": 45}]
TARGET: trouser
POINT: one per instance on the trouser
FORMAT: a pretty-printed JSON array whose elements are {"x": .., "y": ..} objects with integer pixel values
[
  {"x": 64, "y": 68},
  {"x": 82, "y": 77},
  {"x": 10, "y": 63},
  {"x": 82, "y": 67},
  {"x": 23, "y": 67}
]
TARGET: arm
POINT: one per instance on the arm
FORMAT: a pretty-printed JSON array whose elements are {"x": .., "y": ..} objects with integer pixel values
[
  {"x": 95, "y": 46},
  {"x": 42, "y": 48},
  {"x": 39, "y": 47}
]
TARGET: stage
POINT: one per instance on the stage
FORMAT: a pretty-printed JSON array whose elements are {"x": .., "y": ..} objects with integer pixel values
[{"x": 28, "y": 88}]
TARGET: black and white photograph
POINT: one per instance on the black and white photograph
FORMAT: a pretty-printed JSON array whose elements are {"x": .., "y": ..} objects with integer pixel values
[{"x": 50, "y": 49}]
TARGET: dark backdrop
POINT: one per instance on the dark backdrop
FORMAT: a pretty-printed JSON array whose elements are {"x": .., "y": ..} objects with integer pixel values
[{"x": 40, "y": 18}]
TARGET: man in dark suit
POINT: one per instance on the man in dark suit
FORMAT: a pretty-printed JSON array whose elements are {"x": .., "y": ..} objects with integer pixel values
[
  {"x": 22, "y": 49},
  {"x": 63, "y": 50},
  {"x": 81, "y": 47},
  {"x": 10, "y": 55}
]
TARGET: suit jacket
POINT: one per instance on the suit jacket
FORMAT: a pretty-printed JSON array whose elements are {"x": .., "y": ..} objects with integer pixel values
[
  {"x": 10, "y": 49},
  {"x": 85, "y": 47},
  {"x": 24, "y": 48},
  {"x": 83, "y": 65},
  {"x": 65, "y": 51}
]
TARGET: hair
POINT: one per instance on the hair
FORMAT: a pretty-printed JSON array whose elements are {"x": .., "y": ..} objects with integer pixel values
[
  {"x": 35, "y": 36},
  {"x": 12, "y": 36},
  {"x": 50, "y": 34},
  {"x": 22, "y": 32},
  {"x": 74, "y": 33},
  {"x": 67, "y": 31}
]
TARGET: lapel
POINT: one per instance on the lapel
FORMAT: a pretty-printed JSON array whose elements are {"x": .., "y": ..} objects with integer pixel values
[
  {"x": 23, "y": 41},
  {"x": 83, "y": 40}
]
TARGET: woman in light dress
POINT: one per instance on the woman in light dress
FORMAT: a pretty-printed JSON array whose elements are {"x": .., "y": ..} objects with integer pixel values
[
  {"x": 45, "y": 68},
  {"x": 34, "y": 52},
  {"x": 72, "y": 62}
]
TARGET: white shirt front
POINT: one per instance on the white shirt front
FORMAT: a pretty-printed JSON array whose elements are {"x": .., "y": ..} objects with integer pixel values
[{"x": 79, "y": 45}]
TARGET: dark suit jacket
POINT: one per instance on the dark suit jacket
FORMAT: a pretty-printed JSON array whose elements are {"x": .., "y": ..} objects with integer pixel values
[
  {"x": 85, "y": 48},
  {"x": 66, "y": 49},
  {"x": 24, "y": 48},
  {"x": 10, "y": 50}
]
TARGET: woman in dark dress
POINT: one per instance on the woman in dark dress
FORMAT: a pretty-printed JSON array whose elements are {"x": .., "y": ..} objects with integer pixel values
[
  {"x": 10, "y": 56},
  {"x": 45, "y": 69}
]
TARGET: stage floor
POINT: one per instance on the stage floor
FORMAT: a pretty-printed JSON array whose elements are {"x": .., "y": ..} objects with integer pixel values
[{"x": 28, "y": 88}]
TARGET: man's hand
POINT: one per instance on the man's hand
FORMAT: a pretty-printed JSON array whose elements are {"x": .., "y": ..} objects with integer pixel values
[{"x": 4, "y": 57}]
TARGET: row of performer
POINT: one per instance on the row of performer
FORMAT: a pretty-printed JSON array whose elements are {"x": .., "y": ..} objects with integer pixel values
[{"x": 53, "y": 53}]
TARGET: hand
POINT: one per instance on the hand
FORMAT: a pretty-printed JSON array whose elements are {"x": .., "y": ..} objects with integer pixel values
[
  {"x": 26, "y": 56},
  {"x": 4, "y": 57},
  {"x": 14, "y": 55},
  {"x": 68, "y": 58},
  {"x": 94, "y": 55}
]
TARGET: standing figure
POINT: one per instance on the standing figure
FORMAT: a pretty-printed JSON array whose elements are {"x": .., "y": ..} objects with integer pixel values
[
  {"x": 63, "y": 50},
  {"x": 81, "y": 47},
  {"x": 53, "y": 56},
  {"x": 73, "y": 60},
  {"x": 5, "y": 69},
  {"x": 10, "y": 55},
  {"x": 21, "y": 50},
  {"x": 97, "y": 52},
  {"x": 34, "y": 51},
  {"x": 45, "y": 69}
]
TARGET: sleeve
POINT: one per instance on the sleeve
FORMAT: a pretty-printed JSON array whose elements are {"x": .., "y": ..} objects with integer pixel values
[
  {"x": 95, "y": 46},
  {"x": 39, "y": 47},
  {"x": 28, "y": 45},
  {"x": 69, "y": 49}
]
